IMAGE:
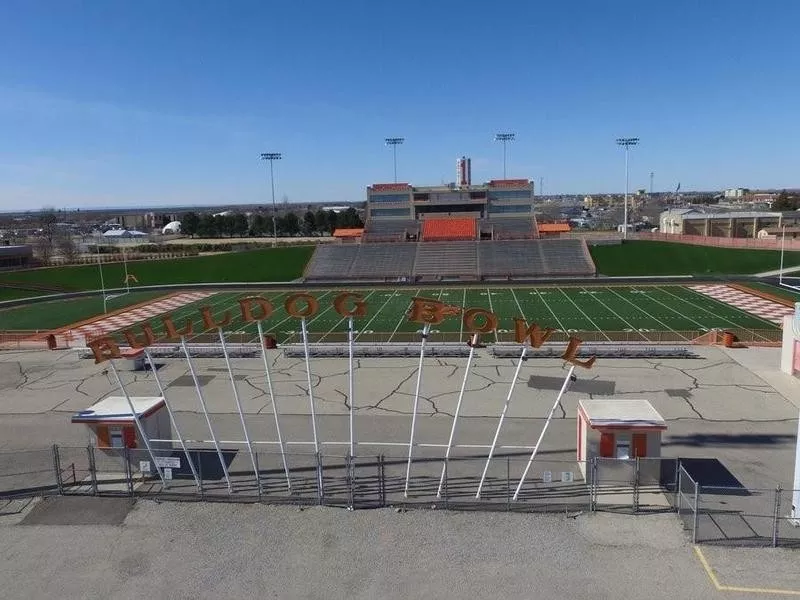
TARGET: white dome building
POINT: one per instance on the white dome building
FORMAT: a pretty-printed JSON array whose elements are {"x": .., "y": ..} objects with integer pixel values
[{"x": 171, "y": 228}]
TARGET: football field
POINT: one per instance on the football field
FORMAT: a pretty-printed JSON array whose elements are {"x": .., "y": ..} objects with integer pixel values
[{"x": 595, "y": 313}]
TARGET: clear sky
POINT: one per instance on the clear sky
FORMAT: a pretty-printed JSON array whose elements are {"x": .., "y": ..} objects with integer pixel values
[{"x": 148, "y": 102}]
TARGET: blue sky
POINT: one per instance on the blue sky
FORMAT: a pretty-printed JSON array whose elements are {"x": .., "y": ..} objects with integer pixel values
[{"x": 111, "y": 103}]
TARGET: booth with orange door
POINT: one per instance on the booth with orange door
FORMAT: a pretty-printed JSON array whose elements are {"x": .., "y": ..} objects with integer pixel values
[
  {"x": 622, "y": 429},
  {"x": 112, "y": 426}
]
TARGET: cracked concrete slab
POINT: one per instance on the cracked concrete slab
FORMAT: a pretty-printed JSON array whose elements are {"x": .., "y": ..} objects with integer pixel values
[{"x": 731, "y": 393}]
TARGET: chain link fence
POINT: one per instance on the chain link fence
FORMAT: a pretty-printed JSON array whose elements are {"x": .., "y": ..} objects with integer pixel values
[{"x": 712, "y": 515}]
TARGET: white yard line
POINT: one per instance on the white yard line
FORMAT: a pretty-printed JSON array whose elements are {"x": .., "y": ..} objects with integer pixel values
[
  {"x": 489, "y": 295},
  {"x": 340, "y": 321},
  {"x": 677, "y": 312},
  {"x": 613, "y": 312},
  {"x": 463, "y": 308},
  {"x": 547, "y": 306},
  {"x": 405, "y": 315},
  {"x": 721, "y": 317},
  {"x": 621, "y": 297},
  {"x": 584, "y": 314},
  {"x": 375, "y": 316}
]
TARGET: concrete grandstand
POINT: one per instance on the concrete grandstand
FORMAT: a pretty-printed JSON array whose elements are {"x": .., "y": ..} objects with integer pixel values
[{"x": 457, "y": 232}]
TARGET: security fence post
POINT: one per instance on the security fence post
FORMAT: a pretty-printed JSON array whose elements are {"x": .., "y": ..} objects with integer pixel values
[
  {"x": 696, "y": 508},
  {"x": 678, "y": 468},
  {"x": 258, "y": 477},
  {"x": 381, "y": 482},
  {"x": 348, "y": 459},
  {"x": 636, "y": 465},
  {"x": 446, "y": 499},
  {"x": 200, "y": 474},
  {"x": 776, "y": 516},
  {"x": 92, "y": 468},
  {"x": 57, "y": 469},
  {"x": 508, "y": 483},
  {"x": 128, "y": 471},
  {"x": 320, "y": 489},
  {"x": 593, "y": 487}
]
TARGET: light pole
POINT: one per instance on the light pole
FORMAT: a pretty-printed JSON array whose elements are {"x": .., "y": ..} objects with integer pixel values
[
  {"x": 505, "y": 138},
  {"x": 626, "y": 143},
  {"x": 272, "y": 157},
  {"x": 394, "y": 142}
]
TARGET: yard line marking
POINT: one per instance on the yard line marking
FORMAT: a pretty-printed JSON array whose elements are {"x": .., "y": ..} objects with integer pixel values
[
  {"x": 541, "y": 298},
  {"x": 281, "y": 322},
  {"x": 667, "y": 306},
  {"x": 405, "y": 314},
  {"x": 723, "y": 318},
  {"x": 463, "y": 308},
  {"x": 616, "y": 293},
  {"x": 339, "y": 322},
  {"x": 584, "y": 314},
  {"x": 489, "y": 295},
  {"x": 223, "y": 301},
  {"x": 519, "y": 306},
  {"x": 612, "y": 311},
  {"x": 375, "y": 316}
]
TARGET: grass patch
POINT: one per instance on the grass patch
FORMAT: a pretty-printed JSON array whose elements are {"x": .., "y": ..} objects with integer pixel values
[
  {"x": 665, "y": 258},
  {"x": 273, "y": 264},
  {"x": 59, "y": 313},
  {"x": 15, "y": 293},
  {"x": 780, "y": 292}
]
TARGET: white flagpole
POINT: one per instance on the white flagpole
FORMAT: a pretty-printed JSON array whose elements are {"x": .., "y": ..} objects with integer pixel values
[
  {"x": 783, "y": 248},
  {"x": 502, "y": 417},
  {"x": 308, "y": 379},
  {"x": 239, "y": 406},
  {"x": 425, "y": 330},
  {"x": 274, "y": 405},
  {"x": 473, "y": 343},
  {"x": 561, "y": 393},
  {"x": 138, "y": 423},
  {"x": 350, "y": 383},
  {"x": 205, "y": 413},
  {"x": 172, "y": 416}
]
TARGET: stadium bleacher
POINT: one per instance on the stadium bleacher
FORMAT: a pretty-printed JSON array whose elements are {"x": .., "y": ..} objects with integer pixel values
[
  {"x": 509, "y": 228},
  {"x": 449, "y": 230},
  {"x": 390, "y": 230},
  {"x": 473, "y": 260},
  {"x": 447, "y": 259}
]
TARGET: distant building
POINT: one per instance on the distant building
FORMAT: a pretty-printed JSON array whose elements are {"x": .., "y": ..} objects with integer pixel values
[
  {"x": 734, "y": 224},
  {"x": 15, "y": 256},
  {"x": 171, "y": 228},
  {"x": 735, "y": 192}
]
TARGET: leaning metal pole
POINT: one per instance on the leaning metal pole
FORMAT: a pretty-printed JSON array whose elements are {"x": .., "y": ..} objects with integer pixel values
[
  {"x": 561, "y": 393},
  {"x": 274, "y": 405},
  {"x": 502, "y": 417},
  {"x": 425, "y": 331},
  {"x": 172, "y": 417},
  {"x": 473, "y": 343},
  {"x": 205, "y": 413},
  {"x": 239, "y": 407},
  {"x": 138, "y": 422}
]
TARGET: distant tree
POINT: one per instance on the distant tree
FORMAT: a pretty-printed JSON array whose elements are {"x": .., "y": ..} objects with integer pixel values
[
  {"x": 309, "y": 222},
  {"x": 67, "y": 247},
  {"x": 785, "y": 201},
  {"x": 333, "y": 220},
  {"x": 207, "y": 227},
  {"x": 350, "y": 218},
  {"x": 240, "y": 224},
  {"x": 45, "y": 243},
  {"x": 321, "y": 222},
  {"x": 190, "y": 223},
  {"x": 291, "y": 224},
  {"x": 258, "y": 225}
]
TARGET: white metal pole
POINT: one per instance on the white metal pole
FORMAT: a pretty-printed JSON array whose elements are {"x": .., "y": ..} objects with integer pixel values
[
  {"x": 172, "y": 416},
  {"x": 795, "y": 515},
  {"x": 138, "y": 423},
  {"x": 274, "y": 405},
  {"x": 274, "y": 207},
  {"x": 502, "y": 417},
  {"x": 350, "y": 386},
  {"x": 783, "y": 248},
  {"x": 239, "y": 406},
  {"x": 102, "y": 280},
  {"x": 308, "y": 379},
  {"x": 425, "y": 331},
  {"x": 625, "y": 219},
  {"x": 125, "y": 265},
  {"x": 561, "y": 393},
  {"x": 205, "y": 413},
  {"x": 455, "y": 415}
]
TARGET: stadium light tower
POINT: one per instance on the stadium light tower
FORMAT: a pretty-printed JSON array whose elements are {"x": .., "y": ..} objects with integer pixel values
[
  {"x": 394, "y": 142},
  {"x": 272, "y": 157},
  {"x": 505, "y": 138},
  {"x": 626, "y": 143}
]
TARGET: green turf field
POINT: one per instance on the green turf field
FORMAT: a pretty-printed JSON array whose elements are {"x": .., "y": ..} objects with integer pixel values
[
  {"x": 58, "y": 313},
  {"x": 664, "y": 258},
  {"x": 603, "y": 313},
  {"x": 775, "y": 290},
  {"x": 271, "y": 264}
]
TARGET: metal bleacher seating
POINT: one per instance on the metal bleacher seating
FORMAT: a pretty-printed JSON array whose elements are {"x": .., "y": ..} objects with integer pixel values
[
  {"x": 390, "y": 230},
  {"x": 511, "y": 259},
  {"x": 510, "y": 228},
  {"x": 447, "y": 259}
]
